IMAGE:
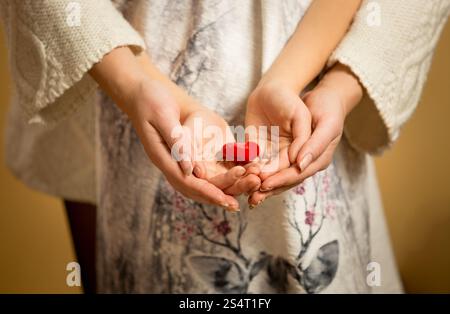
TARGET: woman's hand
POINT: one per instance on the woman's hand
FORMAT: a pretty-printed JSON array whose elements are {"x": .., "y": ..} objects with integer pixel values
[
  {"x": 328, "y": 103},
  {"x": 158, "y": 112},
  {"x": 156, "y": 107}
]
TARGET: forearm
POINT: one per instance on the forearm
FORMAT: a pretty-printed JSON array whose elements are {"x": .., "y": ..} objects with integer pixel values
[
  {"x": 185, "y": 101},
  {"x": 316, "y": 36},
  {"x": 118, "y": 75},
  {"x": 121, "y": 75}
]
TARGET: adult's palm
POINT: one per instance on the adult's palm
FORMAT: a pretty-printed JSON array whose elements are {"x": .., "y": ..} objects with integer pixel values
[{"x": 209, "y": 132}]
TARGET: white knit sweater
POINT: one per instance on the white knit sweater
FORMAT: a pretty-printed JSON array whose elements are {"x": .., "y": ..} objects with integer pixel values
[{"x": 50, "y": 59}]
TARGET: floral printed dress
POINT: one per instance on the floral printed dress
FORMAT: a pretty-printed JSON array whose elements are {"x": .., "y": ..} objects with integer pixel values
[{"x": 321, "y": 236}]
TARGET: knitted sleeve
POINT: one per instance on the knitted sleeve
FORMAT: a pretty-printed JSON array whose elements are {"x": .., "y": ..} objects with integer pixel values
[
  {"x": 389, "y": 48},
  {"x": 53, "y": 44}
]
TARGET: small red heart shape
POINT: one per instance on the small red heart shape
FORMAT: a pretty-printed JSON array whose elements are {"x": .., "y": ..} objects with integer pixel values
[{"x": 240, "y": 152}]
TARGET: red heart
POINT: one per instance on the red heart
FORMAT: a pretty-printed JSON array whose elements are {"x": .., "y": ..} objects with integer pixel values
[{"x": 240, "y": 152}]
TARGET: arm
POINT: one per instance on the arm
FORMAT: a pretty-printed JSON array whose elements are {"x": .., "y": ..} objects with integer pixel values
[
  {"x": 275, "y": 101},
  {"x": 316, "y": 36},
  {"x": 392, "y": 68}
]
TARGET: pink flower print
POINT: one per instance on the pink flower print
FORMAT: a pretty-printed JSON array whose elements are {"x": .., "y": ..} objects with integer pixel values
[
  {"x": 184, "y": 207},
  {"x": 309, "y": 217},
  {"x": 180, "y": 203},
  {"x": 329, "y": 210},
  {"x": 326, "y": 183},
  {"x": 223, "y": 227},
  {"x": 299, "y": 189},
  {"x": 184, "y": 231}
]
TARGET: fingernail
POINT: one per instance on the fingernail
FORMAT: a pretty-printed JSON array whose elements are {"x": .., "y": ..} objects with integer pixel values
[
  {"x": 240, "y": 172},
  {"x": 266, "y": 189},
  {"x": 305, "y": 161},
  {"x": 188, "y": 170},
  {"x": 251, "y": 206},
  {"x": 230, "y": 208},
  {"x": 197, "y": 171}
]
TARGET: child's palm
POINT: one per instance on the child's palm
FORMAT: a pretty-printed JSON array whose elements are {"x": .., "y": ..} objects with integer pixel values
[{"x": 280, "y": 107}]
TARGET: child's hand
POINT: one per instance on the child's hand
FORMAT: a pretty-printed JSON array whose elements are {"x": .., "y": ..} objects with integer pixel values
[{"x": 274, "y": 105}]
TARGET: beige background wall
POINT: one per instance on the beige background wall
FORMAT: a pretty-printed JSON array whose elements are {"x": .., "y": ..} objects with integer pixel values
[
  {"x": 415, "y": 183},
  {"x": 35, "y": 246},
  {"x": 414, "y": 177}
]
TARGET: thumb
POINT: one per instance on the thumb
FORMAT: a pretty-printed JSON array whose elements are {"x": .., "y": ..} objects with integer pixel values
[
  {"x": 324, "y": 133},
  {"x": 181, "y": 148},
  {"x": 178, "y": 140},
  {"x": 301, "y": 131}
]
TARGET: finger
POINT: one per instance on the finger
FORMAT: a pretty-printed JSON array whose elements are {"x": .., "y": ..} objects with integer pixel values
[
  {"x": 284, "y": 177},
  {"x": 230, "y": 203},
  {"x": 200, "y": 169},
  {"x": 182, "y": 148},
  {"x": 248, "y": 184},
  {"x": 281, "y": 161},
  {"x": 254, "y": 167},
  {"x": 291, "y": 177},
  {"x": 227, "y": 179},
  {"x": 177, "y": 138},
  {"x": 200, "y": 189},
  {"x": 320, "y": 163},
  {"x": 325, "y": 132},
  {"x": 257, "y": 198},
  {"x": 206, "y": 192},
  {"x": 301, "y": 131}
]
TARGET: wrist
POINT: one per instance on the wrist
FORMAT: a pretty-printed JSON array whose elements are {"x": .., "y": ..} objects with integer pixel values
[
  {"x": 151, "y": 96},
  {"x": 118, "y": 75},
  {"x": 341, "y": 80},
  {"x": 186, "y": 103},
  {"x": 144, "y": 95},
  {"x": 273, "y": 78},
  {"x": 268, "y": 87}
]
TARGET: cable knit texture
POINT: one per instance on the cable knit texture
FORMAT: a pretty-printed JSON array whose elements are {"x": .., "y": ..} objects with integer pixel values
[
  {"x": 389, "y": 47},
  {"x": 49, "y": 60},
  {"x": 50, "y": 55}
]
